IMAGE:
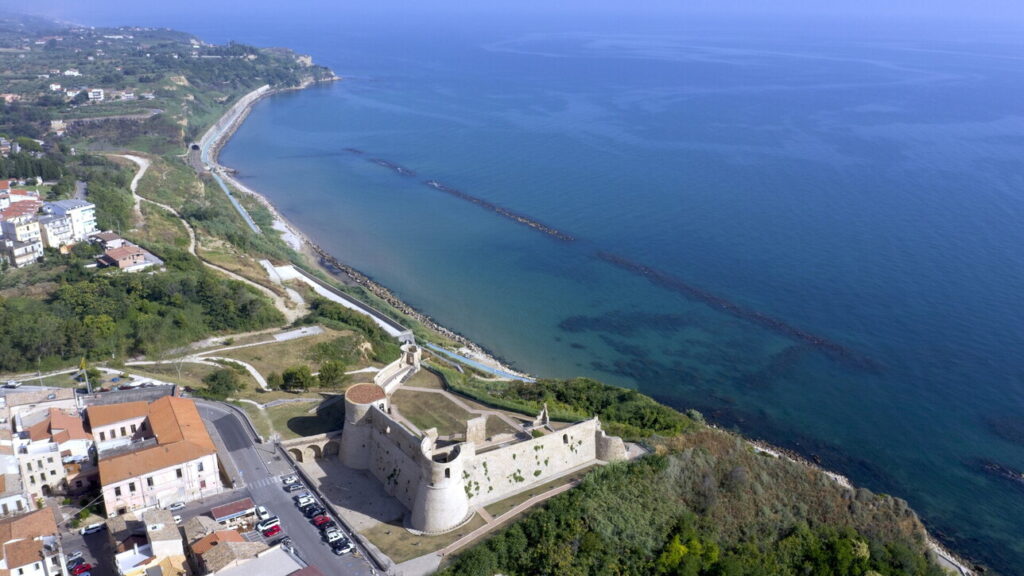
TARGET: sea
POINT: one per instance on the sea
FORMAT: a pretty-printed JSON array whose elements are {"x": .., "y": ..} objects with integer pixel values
[{"x": 812, "y": 232}]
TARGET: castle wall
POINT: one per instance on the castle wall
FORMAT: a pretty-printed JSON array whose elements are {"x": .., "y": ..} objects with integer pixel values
[
  {"x": 498, "y": 473},
  {"x": 393, "y": 454}
]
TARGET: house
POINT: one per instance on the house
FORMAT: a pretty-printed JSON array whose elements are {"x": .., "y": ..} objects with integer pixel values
[
  {"x": 30, "y": 545},
  {"x": 55, "y": 87},
  {"x": 72, "y": 72},
  {"x": 161, "y": 552},
  {"x": 214, "y": 550},
  {"x": 58, "y": 127},
  {"x": 57, "y": 232},
  {"x": 82, "y": 214},
  {"x": 129, "y": 258},
  {"x": 108, "y": 240},
  {"x": 153, "y": 454},
  {"x": 96, "y": 94},
  {"x": 72, "y": 92},
  {"x": 46, "y": 442},
  {"x": 12, "y": 497}
]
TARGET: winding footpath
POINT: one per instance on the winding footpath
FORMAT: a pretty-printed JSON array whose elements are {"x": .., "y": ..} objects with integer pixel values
[{"x": 291, "y": 314}]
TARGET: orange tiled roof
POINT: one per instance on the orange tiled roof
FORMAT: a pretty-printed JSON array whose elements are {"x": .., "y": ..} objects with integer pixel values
[
  {"x": 26, "y": 526},
  {"x": 123, "y": 253},
  {"x": 59, "y": 427},
  {"x": 203, "y": 545},
  {"x": 181, "y": 437},
  {"x": 107, "y": 414},
  {"x": 23, "y": 552}
]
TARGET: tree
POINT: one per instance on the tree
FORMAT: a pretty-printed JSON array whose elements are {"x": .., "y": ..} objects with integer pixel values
[
  {"x": 274, "y": 381},
  {"x": 221, "y": 383},
  {"x": 298, "y": 378},
  {"x": 332, "y": 374}
]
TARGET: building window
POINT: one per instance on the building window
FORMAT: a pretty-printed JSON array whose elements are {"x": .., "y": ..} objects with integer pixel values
[
  {"x": 131, "y": 486},
  {"x": 103, "y": 436},
  {"x": 123, "y": 431},
  {"x": 202, "y": 484},
  {"x": 178, "y": 472},
  {"x": 32, "y": 479},
  {"x": 133, "y": 429},
  {"x": 200, "y": 467},
  {"x": 149, "y": 481},
  {"x": 53, "y": 472},
  {"x": 29, "y": 466},
  {"x": 447, "y": 472},
  {"x": 117, "y": 491},
  {"x": 78, "y": 483},
  {"x": 50, "y": 460},
  {"x": 565, "y": 438},
  {"x": 6, "y": 509}
]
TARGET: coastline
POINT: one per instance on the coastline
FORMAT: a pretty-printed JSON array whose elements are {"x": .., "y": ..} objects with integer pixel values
[
  {"x": 348, "y": 275},
  {"x": 213, "y": 141}
]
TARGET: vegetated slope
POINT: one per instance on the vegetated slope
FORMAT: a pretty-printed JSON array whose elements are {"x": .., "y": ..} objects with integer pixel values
[{"x": 705, "y": 504}]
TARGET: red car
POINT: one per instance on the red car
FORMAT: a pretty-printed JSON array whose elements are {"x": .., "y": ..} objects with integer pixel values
[
  {"x": 272, "y": 531},
  {"x": 81, "y": 568},
  {"x": 320, "y": 520}
]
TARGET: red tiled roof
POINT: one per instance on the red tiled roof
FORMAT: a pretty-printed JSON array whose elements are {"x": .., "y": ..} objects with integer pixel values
[{"x": 232, "y": 509}]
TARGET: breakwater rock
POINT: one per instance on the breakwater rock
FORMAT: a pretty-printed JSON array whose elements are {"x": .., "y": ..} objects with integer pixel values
[
  {"x": 518, "y": 218},
  {"x": 669, "y": 282}
]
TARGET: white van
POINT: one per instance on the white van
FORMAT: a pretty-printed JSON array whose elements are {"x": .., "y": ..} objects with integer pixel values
[{"x": 268, "y": 524}]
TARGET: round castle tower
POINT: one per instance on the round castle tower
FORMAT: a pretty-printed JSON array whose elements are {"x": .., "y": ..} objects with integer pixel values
[
  {"x": 355, "y": 436},
  {"x": 441, "y": 501}
]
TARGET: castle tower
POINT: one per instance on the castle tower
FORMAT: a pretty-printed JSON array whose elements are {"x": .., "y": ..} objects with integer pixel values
[
  {"x": 355, "y": 437},
  {"x": 441, "y": 501}
]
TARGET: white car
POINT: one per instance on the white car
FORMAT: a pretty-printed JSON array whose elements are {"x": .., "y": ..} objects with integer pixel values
[
  {"x": 74, "y": 555},
  {"x": 333, "y": 536},
  {"x": 304, "y": 500},
  {"x": 176, "y": 506},
  {"x": 268, "y": 524},
  {"x": 262, "y": 513},
  {"x": 93, "y": 528},
  {"x": 290, "y": 479}
]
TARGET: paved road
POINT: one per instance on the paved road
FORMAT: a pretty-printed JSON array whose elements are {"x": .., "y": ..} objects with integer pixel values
[{"x": 260, "y": 469}]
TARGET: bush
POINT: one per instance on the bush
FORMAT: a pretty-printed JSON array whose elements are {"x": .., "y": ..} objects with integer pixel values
[{"x": 220, "y": 384}]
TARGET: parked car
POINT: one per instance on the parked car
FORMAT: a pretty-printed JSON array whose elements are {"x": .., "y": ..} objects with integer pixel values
[
  {"x": 76, "y": 562},
  {"x": 262, "y": 513},
  {"x": 332, "y": 536},
  {"x": 77, "y": 570},
  {"x": 74, "y": 555},
  {"x": 294, "y": 487},
  {"x": 320, "y": 520},
  {"x": 296, "y": 497},
  {"x": 290, "y": 479},
  {"x": 13, "y": 384},
  {"x": 304, "y": 501},
  {"x": 176, "y": 506},
  {"x": 93, "y": 528},
  {"x": 272, "y": 531},
  {"x": 342, "y": 547},
  {"x": 329, "y": 525},
  {"x": 314, "y": 510},
  {"x": 268, "y": 523}
]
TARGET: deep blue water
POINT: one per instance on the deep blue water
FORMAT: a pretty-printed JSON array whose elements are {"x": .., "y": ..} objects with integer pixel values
[{"x": 862, "y": 187}]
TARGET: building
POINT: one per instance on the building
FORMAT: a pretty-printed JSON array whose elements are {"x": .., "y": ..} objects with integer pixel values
[
  {"x": 235, "y": 514},
  {"x": 215, "y": 551},
  {"x": 161, "y": 553},
  {"x": 30, "y": 545},
  {"x": 441, "y": 483},
  {"x": 56, "y": 232},
  {"x": 56, "y": 87},
  {"x": 108, "y": 240},
  {"x": 22, "y": 239},
  {"x": 82, "y": 214},
  {"x": 153, "y": 454},
  {"x": 46, "y": 443},
  {"x": 72, "y": 72},
  {"x": 129, "y": 258},
  {"x": 96, "y": 94}
]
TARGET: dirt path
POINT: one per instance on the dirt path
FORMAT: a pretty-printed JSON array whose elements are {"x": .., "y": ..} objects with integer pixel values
[
  {"x": 291, "y": 314},
  {"x": 143, "y": 164}
]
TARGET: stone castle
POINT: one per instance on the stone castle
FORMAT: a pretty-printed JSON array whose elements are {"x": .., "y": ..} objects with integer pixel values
[{"x": 441, "y": 482}]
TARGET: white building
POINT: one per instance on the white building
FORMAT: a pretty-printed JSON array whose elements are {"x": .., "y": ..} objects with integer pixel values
[
  {"x": 72, "y": 72},
  {"x": 82, "y": 214},
  {"x": 153, "y": 454},
  {"x": 30, "y": 545},
  {"x": 56, "y": 87},
  {"x": 45, "y": 442},
  {"x": 56, "y": 231},
  {"x": 96, "y": 94},
  {"x": 22, "y": 243}
]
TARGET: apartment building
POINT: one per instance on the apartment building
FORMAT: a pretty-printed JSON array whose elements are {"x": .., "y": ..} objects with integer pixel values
[
  {"x": 151, "y": 455},
  {"x": 30, "y": 545}
]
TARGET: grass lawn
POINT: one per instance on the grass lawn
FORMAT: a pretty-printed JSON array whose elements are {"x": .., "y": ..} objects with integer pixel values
[
  {"x": 62, "y": 380},
  {"x": 425, "y": 379},
  {"x": 429, "y": 410},
  {"x": 401, "y": 545},
  {"x": 161, "y": 229},
  {"x": 192, "y": 375},
  {"x": 276, "y": 356},
  {"x": 294, "y": 420},
  {"x": 503, "y": 506},
  {"x": 259, "y": 418}
]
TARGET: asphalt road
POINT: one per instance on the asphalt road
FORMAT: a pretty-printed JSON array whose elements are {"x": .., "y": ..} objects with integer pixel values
[{"x": 260, "y": 469}]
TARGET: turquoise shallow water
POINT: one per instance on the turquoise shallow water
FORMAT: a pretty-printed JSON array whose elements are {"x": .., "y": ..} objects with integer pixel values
[{"x": 832, "y": 220}]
